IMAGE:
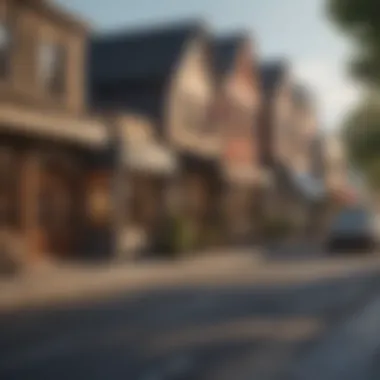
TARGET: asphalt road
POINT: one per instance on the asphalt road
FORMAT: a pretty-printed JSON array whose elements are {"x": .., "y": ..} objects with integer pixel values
[{"x": 247, "y": 332}]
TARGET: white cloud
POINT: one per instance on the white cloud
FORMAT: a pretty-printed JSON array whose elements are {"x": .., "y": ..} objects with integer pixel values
[{"x": 336, "y": 93}]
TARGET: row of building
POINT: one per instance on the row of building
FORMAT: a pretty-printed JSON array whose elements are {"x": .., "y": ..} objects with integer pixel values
[{"x": 104, "y": 137}]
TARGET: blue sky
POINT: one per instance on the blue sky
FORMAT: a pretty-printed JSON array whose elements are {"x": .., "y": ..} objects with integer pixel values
[{"x": 295, "y": 29}]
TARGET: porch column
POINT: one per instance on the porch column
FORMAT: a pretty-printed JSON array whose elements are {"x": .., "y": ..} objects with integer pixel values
[{"x": 30, "y": 190}]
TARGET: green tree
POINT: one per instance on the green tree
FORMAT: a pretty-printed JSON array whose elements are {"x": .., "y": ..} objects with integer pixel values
[
  {"x": 360, "y": 19},
  {"x": 362, "y": 137}
]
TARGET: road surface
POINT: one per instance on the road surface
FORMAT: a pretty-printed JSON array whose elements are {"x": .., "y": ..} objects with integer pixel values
[{"x": 197, "y": 332}]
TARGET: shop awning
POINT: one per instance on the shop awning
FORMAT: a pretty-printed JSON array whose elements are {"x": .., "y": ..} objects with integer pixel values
[
  {"x": 51, "y": 125},
  {"x": 150, "y": 157}
]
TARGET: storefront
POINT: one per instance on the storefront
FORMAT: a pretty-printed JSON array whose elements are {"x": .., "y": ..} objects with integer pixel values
[
  {"x": 44, "y": 159},
  {"x": 146, "y": 170}
]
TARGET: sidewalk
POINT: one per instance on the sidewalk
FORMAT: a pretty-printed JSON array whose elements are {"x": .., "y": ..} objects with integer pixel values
[{"x": 70, "y": 283}]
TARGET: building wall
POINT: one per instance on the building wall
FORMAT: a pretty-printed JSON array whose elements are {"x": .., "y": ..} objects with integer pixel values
[
  {"x": 276, "y": 129},
  {"x": 305, "y": 130},
  {"x": 190, "y": 97},
  {"x": 31, "y": 25},
  {"x": 282, "y": 123},
  {"x": 193, "y": 133},
  {"x": 287, "y": 138},
  {"x": 239, "y": 104}
]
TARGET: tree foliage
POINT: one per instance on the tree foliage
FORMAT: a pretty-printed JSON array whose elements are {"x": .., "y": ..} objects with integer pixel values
[
  {"x": 361, "y": 20},
  {"x": 362, "y": 137}
]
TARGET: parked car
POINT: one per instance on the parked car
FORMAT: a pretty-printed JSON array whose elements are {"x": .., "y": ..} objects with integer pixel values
[{"x": 353, "y": 229}]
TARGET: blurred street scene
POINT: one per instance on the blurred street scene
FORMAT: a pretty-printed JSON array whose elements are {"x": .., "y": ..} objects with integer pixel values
[
  {"x": 217, "y": 318},
  {"x": 174, "y": 206},
  {"x": 156, "y": 142}
]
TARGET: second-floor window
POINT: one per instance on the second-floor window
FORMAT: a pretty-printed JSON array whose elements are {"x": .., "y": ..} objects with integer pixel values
[
  {"x": 4, "y": 47},
  {"x": 51, "y": 64}
]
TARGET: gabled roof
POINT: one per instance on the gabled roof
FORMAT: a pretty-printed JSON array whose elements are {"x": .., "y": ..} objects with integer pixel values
[
  {"x": 225, "y": 50},
  {"x": 272, "y": 74},
  {"x": 140, "y": 54}
]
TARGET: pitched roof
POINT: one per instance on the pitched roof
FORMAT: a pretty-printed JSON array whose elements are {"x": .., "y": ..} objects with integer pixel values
[
  {"x": 139, "y": 54},
  {"x": 225, "y": 50},
  {"x": 272, "y": 73}
]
